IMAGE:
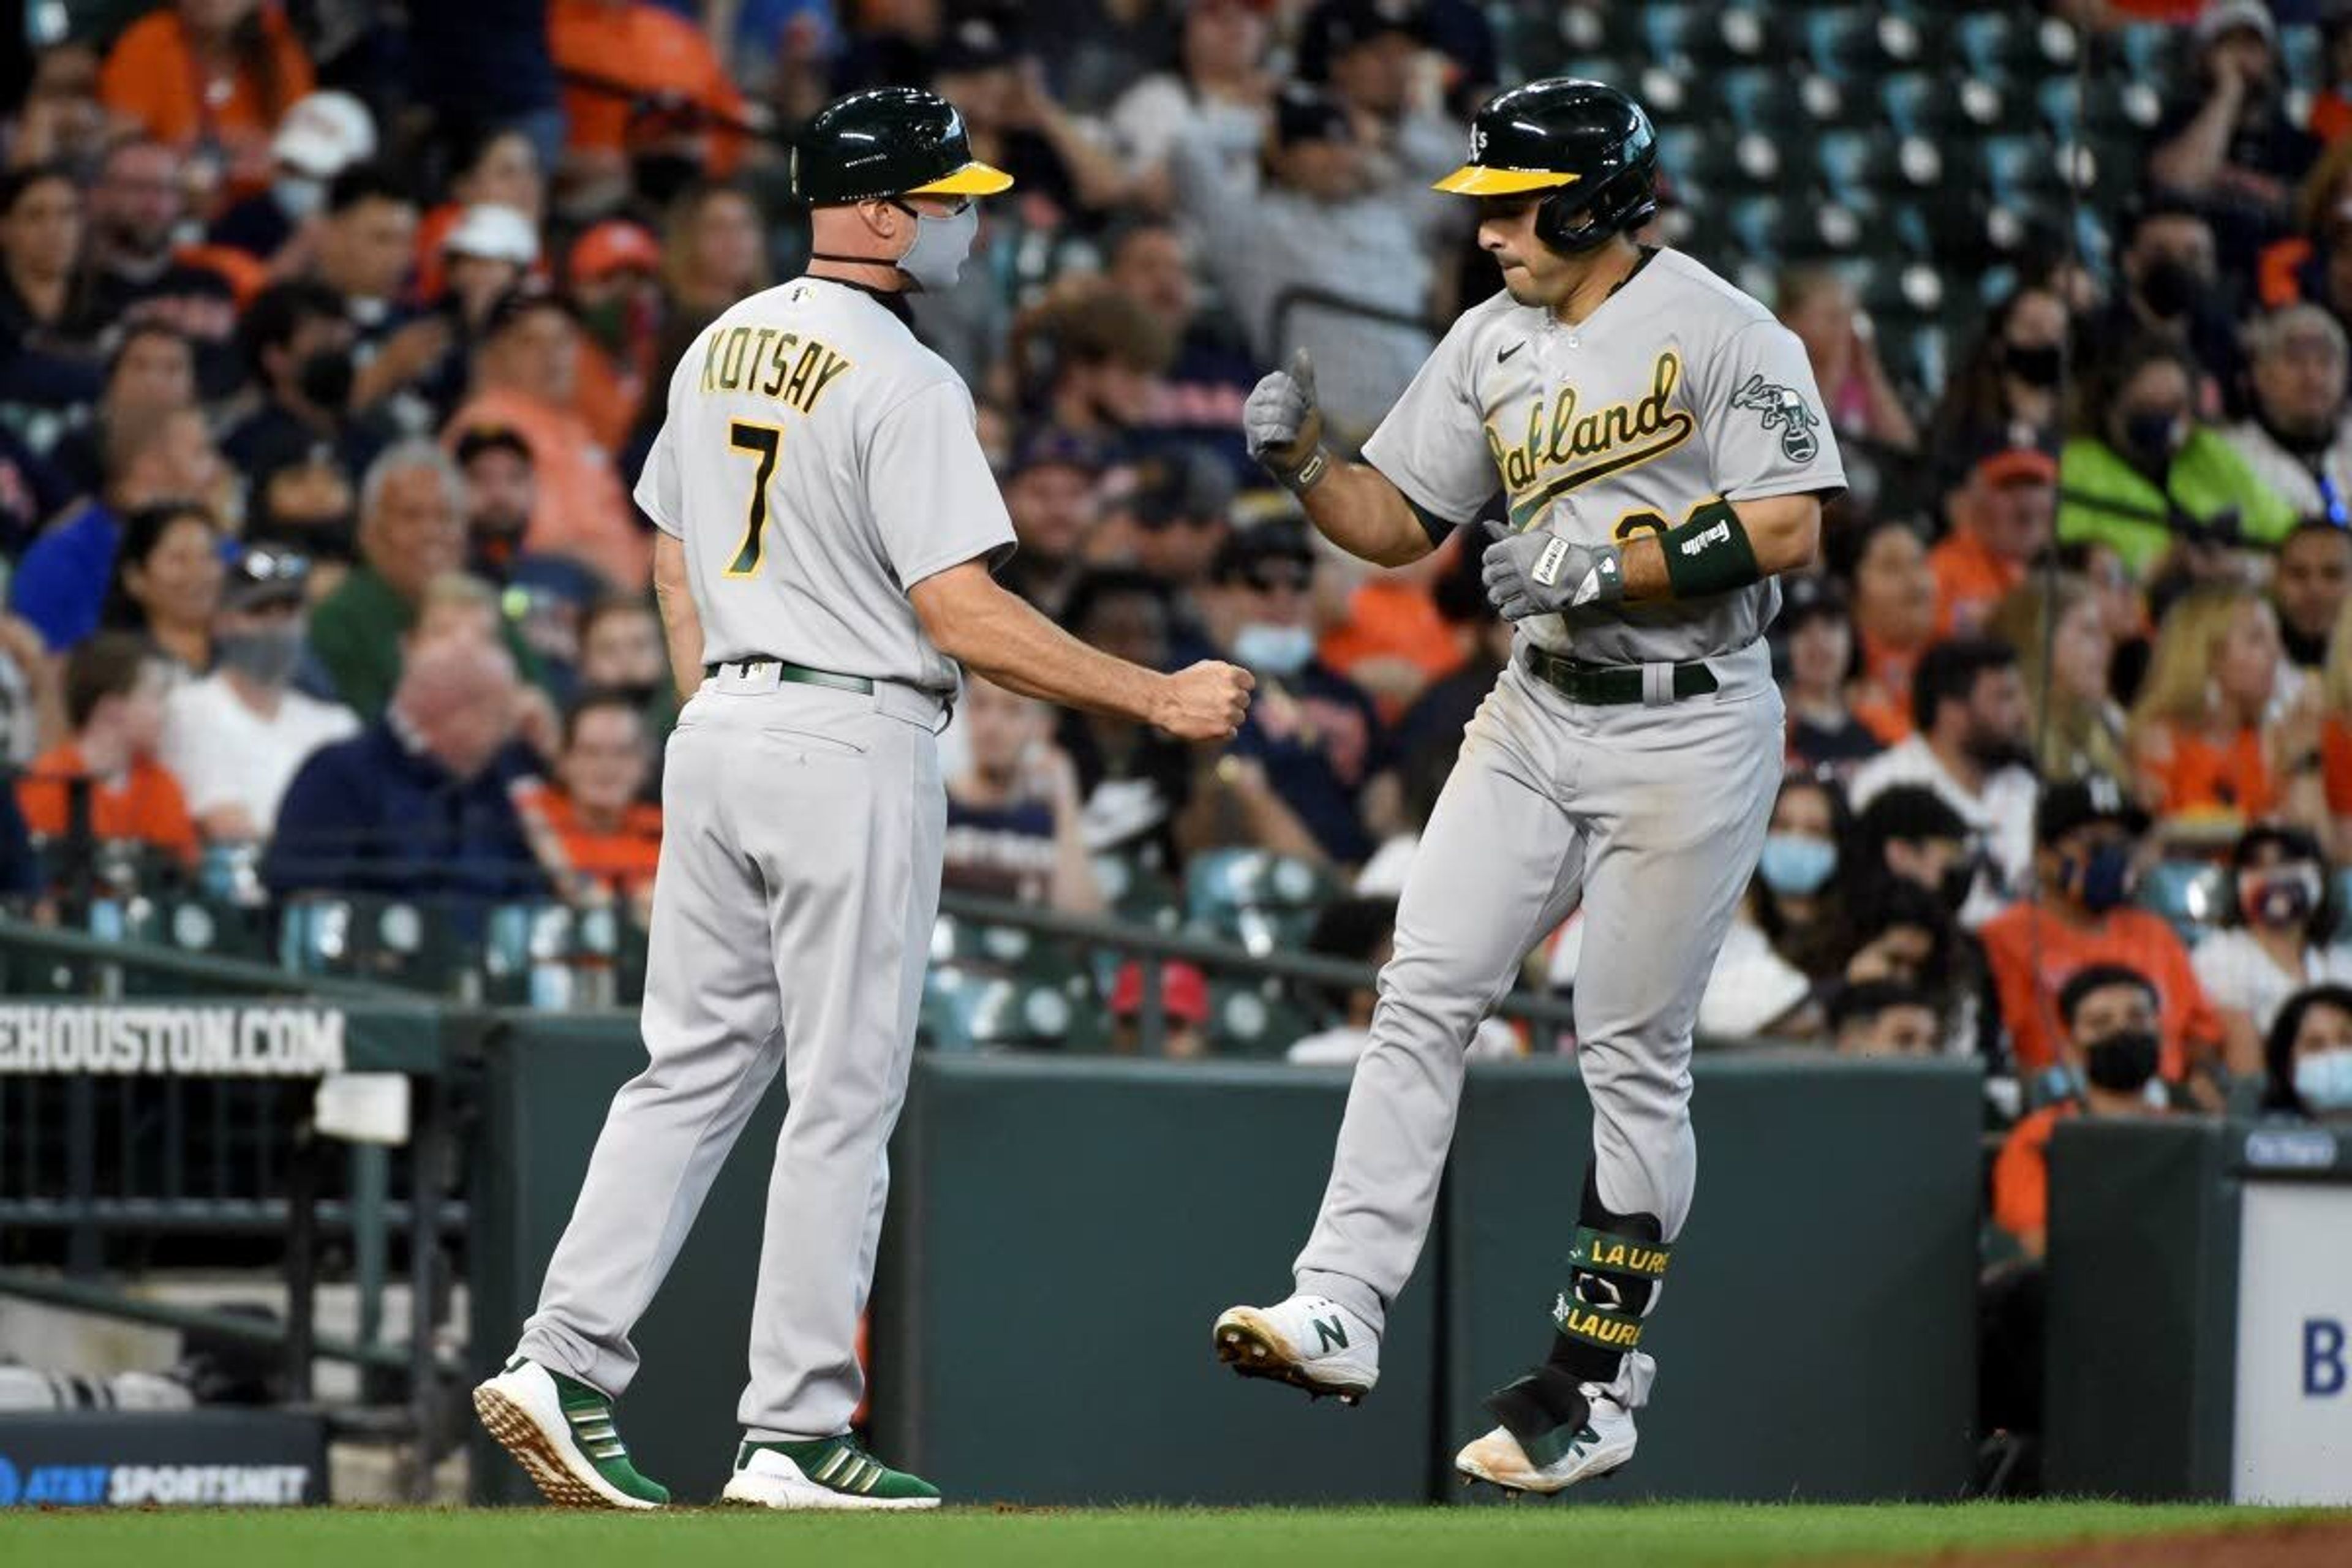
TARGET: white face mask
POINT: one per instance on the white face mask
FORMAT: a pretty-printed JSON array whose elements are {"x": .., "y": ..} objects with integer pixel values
[
  {"x": 934, "y": 262},
  {"x": 2324, "y": 1080},
  {"x": 298, "y": 196}
]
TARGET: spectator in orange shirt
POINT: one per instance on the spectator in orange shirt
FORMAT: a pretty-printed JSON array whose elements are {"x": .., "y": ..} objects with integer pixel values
[
  {"x": 2109, "y": 1012},
  {"x": 596, "y": 838},
  {"x": 615, "y": 275},
  {"x": 2088, "y": 831},
  {"x": 210, "y": 75},
  {"x": 1893, "y": 618},
  {"x": 2001, "y": 516},
  {"x": 523, "y": 378},
  {"x": 2205, "y": 753},
  {"x": 619, "y": 58},
  {"x": 115, "y": 687}
]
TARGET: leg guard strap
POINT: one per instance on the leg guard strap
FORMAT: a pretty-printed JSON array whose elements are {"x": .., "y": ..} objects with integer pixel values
[{"x": 1544, "y": 1411}]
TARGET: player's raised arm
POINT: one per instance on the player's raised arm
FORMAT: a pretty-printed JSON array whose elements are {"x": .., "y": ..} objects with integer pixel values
[
  {"x": 995, "y": 633},
  {"x": 1353, "y": 504}
]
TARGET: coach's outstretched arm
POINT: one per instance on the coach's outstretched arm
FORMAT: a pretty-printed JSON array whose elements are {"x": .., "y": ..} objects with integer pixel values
[
  {"x": 988, "y": 630},
  {"x": 1352, "y": 504}
]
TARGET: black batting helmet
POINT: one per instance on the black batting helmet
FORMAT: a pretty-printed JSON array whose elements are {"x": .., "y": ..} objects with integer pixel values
[
  {"x": 1585, "y": 142},
  {"x": 888, "y": 141}
]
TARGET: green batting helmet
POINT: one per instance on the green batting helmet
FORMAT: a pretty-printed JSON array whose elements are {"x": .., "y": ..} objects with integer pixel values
[
  {"x": 1588, "y": 148},
  {"x": 888, "y": 141}
]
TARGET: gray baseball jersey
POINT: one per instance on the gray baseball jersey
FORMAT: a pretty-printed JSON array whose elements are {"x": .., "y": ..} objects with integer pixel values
[
  {"x": 1679, "y": 391},
  {"x": 818, "y": 462}
]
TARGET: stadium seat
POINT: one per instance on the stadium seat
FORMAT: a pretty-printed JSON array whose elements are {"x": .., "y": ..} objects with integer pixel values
[
  {"x": 393, "y": 939},
  {"x": 1257, "y": 1019},
  {"x": 2146, "y": 51},
  {"x": 965, "y": 1011},
  {"x": 2103, "y": 105},
  {"x": 1853, "y": 162},
  {"x": 1857, "y": 42},
  {"x": 1139, "y": 895},
  {"x": 1258, "y": 899},
  {"x": 2190, "y": 894},
  {"x": 1708, "y": 35},
  {"x": 2015, "y": 43},
  {"x": 1930, "y": 105}
]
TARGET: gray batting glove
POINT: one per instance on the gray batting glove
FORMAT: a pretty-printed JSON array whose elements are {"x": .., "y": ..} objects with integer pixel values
[
  {"x": 1539, "y": 574},
  {"x": 1284, "y": 428}
]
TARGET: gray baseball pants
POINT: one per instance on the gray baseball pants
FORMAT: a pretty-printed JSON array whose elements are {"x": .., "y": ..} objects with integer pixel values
[
  {"x": 1654, "y": 815},
  {"x": 792, "y": 923}
]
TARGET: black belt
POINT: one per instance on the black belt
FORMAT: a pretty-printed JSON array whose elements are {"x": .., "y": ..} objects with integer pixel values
[
  {"x": 799, "y": 674},
  {"x": 1608, "y": 685}
]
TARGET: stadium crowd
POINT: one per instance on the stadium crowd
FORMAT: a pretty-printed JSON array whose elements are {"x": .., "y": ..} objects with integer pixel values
[{"x": 331, "y": 339}]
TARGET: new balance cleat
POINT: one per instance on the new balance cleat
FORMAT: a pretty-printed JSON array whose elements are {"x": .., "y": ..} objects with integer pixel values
[
  {"x": 1596, "y": 1447},
  {"x": 560, "y": 1432},
  {"x": 1308, "y": 1342},
  {"x": 822, "y": 1473}
]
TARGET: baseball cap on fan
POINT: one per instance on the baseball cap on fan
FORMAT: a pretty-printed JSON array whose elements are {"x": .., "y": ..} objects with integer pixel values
[
  {"x": 324, "y": 134},
  {"x": 1304, "y": 113},
  {"x": 2223, "y": 16},
  {"x": 615, "y": 245},
  {"x": 1336, "y": 27},
  {"x": 2078, "y": 803},
  {"x": 2010, "y": 454}
]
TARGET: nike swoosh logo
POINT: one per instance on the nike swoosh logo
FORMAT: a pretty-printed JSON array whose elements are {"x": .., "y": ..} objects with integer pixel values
[{"x": 1509, "y": 352}]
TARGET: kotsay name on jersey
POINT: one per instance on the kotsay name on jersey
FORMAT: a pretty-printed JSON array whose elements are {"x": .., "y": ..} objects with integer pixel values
[
  {"x": 790, "y": 369},
  {"x": 1633, "y": 431}
]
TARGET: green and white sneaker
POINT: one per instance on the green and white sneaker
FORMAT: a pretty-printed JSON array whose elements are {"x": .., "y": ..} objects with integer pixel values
[
  {"x": 824, "y": 1472},
  {"x": 1597, "y": 1447},
  {"x": 559, "y": 1431}
]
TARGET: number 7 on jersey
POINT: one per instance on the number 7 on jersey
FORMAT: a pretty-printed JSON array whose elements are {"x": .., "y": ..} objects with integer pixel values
[{"x": 743, "y": 435}]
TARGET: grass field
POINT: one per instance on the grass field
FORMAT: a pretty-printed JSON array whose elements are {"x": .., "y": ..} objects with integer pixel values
[{"x": 1558, "y": 1536}]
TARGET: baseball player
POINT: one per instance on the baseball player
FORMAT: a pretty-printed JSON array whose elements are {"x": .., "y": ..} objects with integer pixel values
[
  {"x": 1661, "y": 451},
  {"x": 827, "y": 528}
]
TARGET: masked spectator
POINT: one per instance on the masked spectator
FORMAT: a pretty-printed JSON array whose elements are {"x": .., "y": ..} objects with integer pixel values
[
  {"x": 1783, "y": 937},
  {"x": 523, "y": 379},
  {"x": 1263, "y": 244},
  {"x": 1893, "y": 617},
  {"x": 60, "y": 582},
  {"x": 1970, "y": 747},
  {"x": 213, "y": 74},
  {"x": 318, "y": 139},
  {"x": 596, "y": 835},
  {"x": 614, "y": 270},
  {"x": 2309, "y": 588},
  {"x": 1884, "y": 1018},
  {"x": 2143, "y": 475},
  {"x": 2001, "y": 515},
  {"x": 114, "y": 689},
  {"x": 2013, "y": 376},
  {"x": 1313, "y": 733},
  {"x": 411, "y": 531},
  {"x": 2169, "y": 293},
  {"x": 2089, "y": 834},
  {"x": 1823, "y": 732},
  {"x": 1818, "y": 305},
  {"x": 2227, "y": 143},
  {"x": 49, "y": 317},
  {"x": 1013, "y": 813},
  {"x": 2207, "y": 752},
  {"x": 166, "y": 584},
  {"x": 2277, "y": 937},
  {"x": 236, "y": 737},
  {"x": 418, "y": 804},
  {"x": 2064, "y": 652},
  {"x": 2307, "y": 1058},
  {"x": 1363, "y": 931},
  {"x": 298, "y": 345},
  {"x": 151, "y": 372},
  {"x": 2108, "y": 1014}
]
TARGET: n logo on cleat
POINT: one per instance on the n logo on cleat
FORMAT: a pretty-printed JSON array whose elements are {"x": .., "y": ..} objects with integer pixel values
[{"x": 1330, "y": 1334}]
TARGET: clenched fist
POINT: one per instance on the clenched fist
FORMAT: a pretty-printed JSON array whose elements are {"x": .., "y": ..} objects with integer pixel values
[
  {"x": 1203, "y": 702},
  {"x": 1283, "y": 426}
]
